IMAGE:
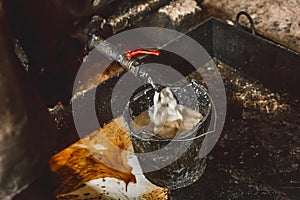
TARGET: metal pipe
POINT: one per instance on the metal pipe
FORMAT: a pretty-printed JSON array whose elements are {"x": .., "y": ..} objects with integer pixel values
[
  {"x": 98, "y": 27},
  {"x": 113, "y": 53},
  {"x": 124, "y": 59}
]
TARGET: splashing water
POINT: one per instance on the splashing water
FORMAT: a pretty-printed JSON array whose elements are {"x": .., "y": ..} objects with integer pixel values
[{"x": 166, "y": 118}]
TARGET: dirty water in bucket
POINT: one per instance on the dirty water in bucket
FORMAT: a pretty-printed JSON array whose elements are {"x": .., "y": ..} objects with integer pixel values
[{"x": 174, "y": 162}]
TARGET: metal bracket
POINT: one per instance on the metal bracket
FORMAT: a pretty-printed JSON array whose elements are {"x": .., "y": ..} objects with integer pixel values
[{"x": 237, "y": 20}]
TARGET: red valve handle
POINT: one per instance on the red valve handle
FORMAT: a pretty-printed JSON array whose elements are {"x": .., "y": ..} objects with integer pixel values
[{"x": 130, "y": 54}]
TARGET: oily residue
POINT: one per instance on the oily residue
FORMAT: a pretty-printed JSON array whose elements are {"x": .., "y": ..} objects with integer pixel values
[{"x": 101, "y": 154}]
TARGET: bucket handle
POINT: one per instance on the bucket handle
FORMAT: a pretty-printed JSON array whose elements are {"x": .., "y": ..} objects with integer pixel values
[{"x": 237, "y": 20}]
